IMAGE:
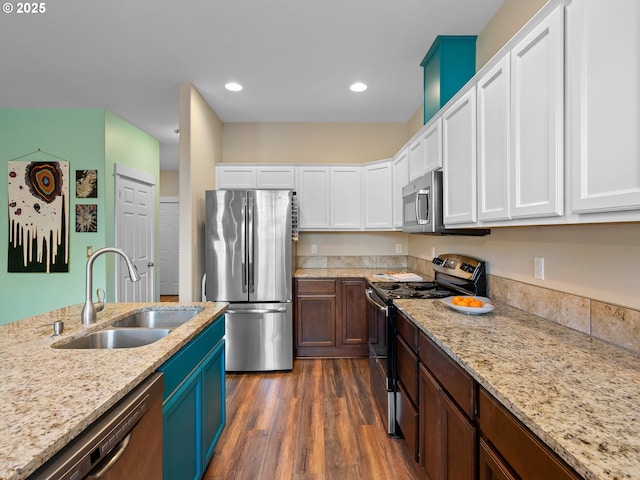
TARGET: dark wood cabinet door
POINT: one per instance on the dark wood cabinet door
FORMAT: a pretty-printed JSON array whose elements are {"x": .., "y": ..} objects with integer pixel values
[
  {"x": 407, "y": 367},
  {"x": 491, "y": 466},
  {"x": 428, "y": 430},
  {"x": 316, "y": 320},
  {"x": 355, "y": 311},
  {"x": 457, "y": 442}
]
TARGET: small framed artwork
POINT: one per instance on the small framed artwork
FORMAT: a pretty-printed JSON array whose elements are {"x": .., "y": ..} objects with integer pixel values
[
  {"x": 86, "y": 184},
  {"x": 86, "y": 218}
]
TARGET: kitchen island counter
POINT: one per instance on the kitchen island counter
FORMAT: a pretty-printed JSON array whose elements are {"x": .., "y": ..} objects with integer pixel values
[
  {"x": 48, "y": 396},
  {"x": 579, "y": 395}
]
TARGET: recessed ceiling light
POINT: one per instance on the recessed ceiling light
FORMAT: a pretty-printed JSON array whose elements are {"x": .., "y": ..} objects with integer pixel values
[
  {"x": 358, "y": 87},
  {"x": 233, "y": 87}
]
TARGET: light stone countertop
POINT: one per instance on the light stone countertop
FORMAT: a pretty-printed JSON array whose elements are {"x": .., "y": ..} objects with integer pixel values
[
  {"x": 48, "y": 396},
  {"x": 580, "y": 395},
  {"x": 366, "y": 273}
]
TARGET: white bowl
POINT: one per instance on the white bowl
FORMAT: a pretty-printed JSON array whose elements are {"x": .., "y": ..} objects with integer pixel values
[{"x": 485, "y": 308}]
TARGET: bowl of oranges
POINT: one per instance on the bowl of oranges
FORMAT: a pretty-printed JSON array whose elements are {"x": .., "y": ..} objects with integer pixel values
[{"x": 469, "y": 304}]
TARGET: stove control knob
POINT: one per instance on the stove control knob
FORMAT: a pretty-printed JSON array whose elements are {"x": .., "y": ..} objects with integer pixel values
[
  {"x": 465, "y": 267},
  {"x": 437, "y": 261}
]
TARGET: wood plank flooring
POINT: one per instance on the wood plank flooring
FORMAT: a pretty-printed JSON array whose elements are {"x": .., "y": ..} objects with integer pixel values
[{"x": 317, "y": 422}]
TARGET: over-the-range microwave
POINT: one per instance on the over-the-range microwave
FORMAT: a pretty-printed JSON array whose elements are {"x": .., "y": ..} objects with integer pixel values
[{"x": 422, "y": 208}]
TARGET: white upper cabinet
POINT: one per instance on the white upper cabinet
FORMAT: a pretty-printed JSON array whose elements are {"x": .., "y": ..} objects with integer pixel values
[
  {"x": 378, "y": 195},
  {"x": 235, "y": 176},
  {"x": 417, "y": 164},
  {"x": 459, "y": 160},
  {"x": 276, "y": 177},
  {"x": 494, "y": 127},
  {"x": 313, "y": 197},
  {"x": 254, "y": 176},
  {"x": 400, "y": 179},
  {"x": 603, "y": 114},
  {"x": 537, "y": 121},
  {"x": 432, "y": 144},
  {"x": 345, "y": 197}
]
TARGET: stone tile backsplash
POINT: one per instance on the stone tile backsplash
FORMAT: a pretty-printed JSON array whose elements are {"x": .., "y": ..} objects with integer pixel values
[
  {"x": 353, "y": 261},
  {"x": 611, "y": 323}
]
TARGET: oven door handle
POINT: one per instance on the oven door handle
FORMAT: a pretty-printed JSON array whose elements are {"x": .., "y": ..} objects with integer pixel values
[{"x": 383, "y": 308}]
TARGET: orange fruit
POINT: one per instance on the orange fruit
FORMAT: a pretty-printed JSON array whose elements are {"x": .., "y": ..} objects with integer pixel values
[{"x": 475, "y": 303}]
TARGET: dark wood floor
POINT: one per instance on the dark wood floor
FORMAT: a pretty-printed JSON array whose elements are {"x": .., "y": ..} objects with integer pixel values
[
  {"x": 169, "y": 298},
  {"x": 316, "y": 422}
]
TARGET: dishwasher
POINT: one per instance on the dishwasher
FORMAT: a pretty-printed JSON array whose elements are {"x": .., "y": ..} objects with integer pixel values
[{"x": 125, "y": 443}]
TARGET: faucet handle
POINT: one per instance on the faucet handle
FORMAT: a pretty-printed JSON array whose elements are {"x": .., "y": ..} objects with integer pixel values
[{"x": 100, "y": 303}]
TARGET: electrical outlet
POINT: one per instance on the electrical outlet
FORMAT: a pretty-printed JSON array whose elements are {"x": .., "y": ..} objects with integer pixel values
[
  {"x": 398, "y": 248},
  {"x": 314, "y": 248},
  {"x": 433, "y": 252},
  {"x": 538, "y": 267},
  {"x": 89, "y": 251}
]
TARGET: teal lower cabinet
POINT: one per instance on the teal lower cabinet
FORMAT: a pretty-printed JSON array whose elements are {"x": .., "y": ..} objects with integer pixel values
[{"x": 193, "y": 408}]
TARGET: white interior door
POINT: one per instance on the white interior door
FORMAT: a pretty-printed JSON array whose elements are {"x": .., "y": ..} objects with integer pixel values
[
  {"x": 169, "y": 236},
  {"x": 134, "y": 219}
]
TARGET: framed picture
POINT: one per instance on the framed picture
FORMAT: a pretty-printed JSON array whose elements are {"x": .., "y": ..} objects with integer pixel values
[
  {"x": 86, "y": 218},
  {"x": 86, "y": 184}
]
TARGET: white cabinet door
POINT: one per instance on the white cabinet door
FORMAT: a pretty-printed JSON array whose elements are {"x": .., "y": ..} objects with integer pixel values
[
  {"x": 313, "y": 197},
  {"x": 459, "y": 160},
  {"x": 432, "y": 144},
  {"x": 238, "y": 176},
  {"x": 537, "y": 102},
  {"x": 417, "y": 166},
  {"x": 378, "y": 195},
  {"x": 493, "y": 142},
  {"x": 276, "y": 177},
  {"x": 604, "y": 104},
  {"x": 400, "y": 179},
  {"x": 345, "y": 197}
]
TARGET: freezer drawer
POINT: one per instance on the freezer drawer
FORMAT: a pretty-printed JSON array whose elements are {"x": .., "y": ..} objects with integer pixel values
[{"x": 259, "y": 337}]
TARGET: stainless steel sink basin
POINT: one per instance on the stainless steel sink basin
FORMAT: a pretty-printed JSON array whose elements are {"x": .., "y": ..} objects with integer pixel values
[
  {"x": 117, "y": 338},
  {"x": 171, "y": 318}
]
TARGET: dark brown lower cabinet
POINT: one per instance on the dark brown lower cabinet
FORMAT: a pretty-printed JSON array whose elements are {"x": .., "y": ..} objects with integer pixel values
[
  {"x": 514, "y": 446},
  {"x": 490, "y": 465},
  {"x": 331, "y": 317},
  {"x": 447, "y": 436}
]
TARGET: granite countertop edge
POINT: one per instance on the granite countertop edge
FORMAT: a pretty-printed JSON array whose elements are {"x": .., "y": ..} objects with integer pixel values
[{"x": 43, "y": 406}]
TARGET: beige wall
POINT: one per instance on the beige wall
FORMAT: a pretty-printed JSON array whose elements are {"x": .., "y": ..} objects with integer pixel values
[
  {"x": 511, "y": 16},
  {"x": 169, "y": 183},
  {"x": 311, "y": 142},
  {"x": 416, "y": 122},
  {"x": 200, "y": 150},
  {"x": 353, "y": 243}
]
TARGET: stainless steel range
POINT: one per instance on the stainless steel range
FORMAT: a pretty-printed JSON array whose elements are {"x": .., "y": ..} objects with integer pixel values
[{"x": 454, "y": 275}]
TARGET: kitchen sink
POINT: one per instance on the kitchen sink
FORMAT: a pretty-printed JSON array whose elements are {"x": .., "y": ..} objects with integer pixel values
[
  {"x": 111, "y": 338},
  {"x": 165, "y": 318}
]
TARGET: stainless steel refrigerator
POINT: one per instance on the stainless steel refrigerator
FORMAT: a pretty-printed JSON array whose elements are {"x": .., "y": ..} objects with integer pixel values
[{"x": 250, "y": 261}]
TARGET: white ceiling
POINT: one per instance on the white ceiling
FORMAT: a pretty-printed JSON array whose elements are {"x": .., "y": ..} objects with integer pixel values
[{"x": 295, "y": 58}]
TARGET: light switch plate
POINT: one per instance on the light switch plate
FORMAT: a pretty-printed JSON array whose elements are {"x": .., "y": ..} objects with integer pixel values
[{"x": 538, "y": 267}]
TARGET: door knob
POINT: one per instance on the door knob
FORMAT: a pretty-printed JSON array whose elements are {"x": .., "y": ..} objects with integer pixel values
[{"x": 150, "y": 264}]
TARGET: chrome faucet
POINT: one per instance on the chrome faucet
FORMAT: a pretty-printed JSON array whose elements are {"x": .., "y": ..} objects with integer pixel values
[{"x": 90, "y": 310}]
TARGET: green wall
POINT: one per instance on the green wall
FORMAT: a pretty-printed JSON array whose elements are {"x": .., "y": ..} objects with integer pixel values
[{"x": 89, "y": 139}]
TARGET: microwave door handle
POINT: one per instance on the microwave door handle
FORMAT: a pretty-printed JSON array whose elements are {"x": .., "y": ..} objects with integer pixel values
[{"x": 417, "y": 204}]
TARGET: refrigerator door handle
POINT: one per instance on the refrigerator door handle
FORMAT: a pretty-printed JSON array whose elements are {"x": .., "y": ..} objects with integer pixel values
[
  {"x": 243, "y": 245},
  {"x": 250, "y": 239},
  {"x": 258, "y": 310}
]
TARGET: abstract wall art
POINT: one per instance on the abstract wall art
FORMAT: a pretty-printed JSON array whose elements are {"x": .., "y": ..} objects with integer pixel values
[
  {"x": 38, "y": 216},
  {"x": 86, "y": 184},
  {"x": 86, "y": 218}
]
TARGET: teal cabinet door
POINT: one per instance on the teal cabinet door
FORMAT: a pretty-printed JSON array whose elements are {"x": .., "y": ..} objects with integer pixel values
[
  {"x": 213, "y": 399},
  {"x": 180, "y": 433},
  {"x": 194, "y": 404}
]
